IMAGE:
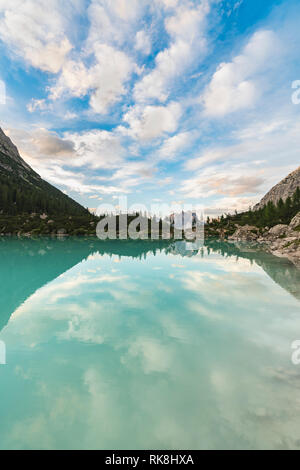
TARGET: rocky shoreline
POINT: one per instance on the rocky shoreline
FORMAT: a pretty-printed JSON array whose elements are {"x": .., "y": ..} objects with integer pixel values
[{"x": 281, "y": 240}]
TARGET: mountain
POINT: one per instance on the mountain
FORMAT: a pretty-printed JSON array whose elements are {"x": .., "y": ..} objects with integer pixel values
[
  {"x": 29, "y": 264},
  {"x": 286, "y": 188},
  {"x": 22, "y": 190},
  {"x": 276, "y": 218}
]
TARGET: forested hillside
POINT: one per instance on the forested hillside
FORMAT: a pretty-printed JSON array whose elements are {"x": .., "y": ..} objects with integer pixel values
[
  {"x": 268, "y": 216},
  {"x": 27, "y": 193},
  {"x": 23, "y": 191}
]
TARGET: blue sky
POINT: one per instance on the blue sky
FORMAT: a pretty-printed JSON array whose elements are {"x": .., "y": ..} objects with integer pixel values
[{"x": 162, "y": 100}]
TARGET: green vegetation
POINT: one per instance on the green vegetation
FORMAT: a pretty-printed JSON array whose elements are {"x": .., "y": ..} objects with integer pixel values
[
  {"x": 34, "y": 225},
  {"x": 269, "y": 216},
  {"x": 25, "y": 197},
  {"x": 29, "y": 193}
]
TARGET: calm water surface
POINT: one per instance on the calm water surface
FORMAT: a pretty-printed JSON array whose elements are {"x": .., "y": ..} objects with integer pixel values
[{"x": 133, "y": 345}]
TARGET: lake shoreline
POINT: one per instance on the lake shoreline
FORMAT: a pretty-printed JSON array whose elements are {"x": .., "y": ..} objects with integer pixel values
[{"x": 275, "y": 246}]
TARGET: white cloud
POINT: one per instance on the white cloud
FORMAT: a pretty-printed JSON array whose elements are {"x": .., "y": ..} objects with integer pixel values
[
  {"x": 113, "y": 69},
  {"x": 174, "y": 145},
  {"x": 74, "y": 79},
  {"x": 233, "y": 181},
  {"x": 126, "y": 10},
  {"x": 167, "y": 3},
  {"x": 77, "y": 182},
  {"x": 34, "y": 30},
  {"x": 207, "y": 157},
  {"x": 34, "y": 105},
  {"x": 104, "y": 80},
  {"x": 48, "y": 154},
  {"x": 69, "y": 115},
  {"x": 96, "y": 149},
  {"x": 142, "y": 42},
  {"x": 39, "y": 32},
  {"x": 112, "y": 21},
  {"x": 186, "y": 29},
  {"x": 238, "y": 175},
  {"x": 235, "y": 84},
  {"x": 228, "y": 205},
  {"x": 52, "y": 145},
  {"x": 155, "y": 357},
  {"x": 143, "y": 170},
  {"x": 260, "y": 142},
  {"x": 41, "y": 144},
  {"x": 150, "y": 122}
]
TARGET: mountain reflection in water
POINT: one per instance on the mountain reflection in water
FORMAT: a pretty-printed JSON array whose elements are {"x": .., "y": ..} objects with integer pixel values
[
  {"x": 27, "y": 265},
  {"x": 147, "y": 345}
]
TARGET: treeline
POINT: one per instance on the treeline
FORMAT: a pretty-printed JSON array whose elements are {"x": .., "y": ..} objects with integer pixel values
[
  {"x": 18, "y": 196},
  {"x": 271, "y": 214}
]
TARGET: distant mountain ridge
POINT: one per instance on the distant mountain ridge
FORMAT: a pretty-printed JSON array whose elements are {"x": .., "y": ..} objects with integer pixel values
[
  {"x": 284, "y": 189},
  {"x": 22, "y": 190}
]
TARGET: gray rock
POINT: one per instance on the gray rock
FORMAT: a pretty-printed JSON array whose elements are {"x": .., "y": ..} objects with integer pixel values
[
  {"x": 283, "y": 190},
  {"x": 295, "y": 222},
  {"x": 245, "y": 233},
  {"x": 278, "y": 230},
  {"x": 10, "y": 150}
]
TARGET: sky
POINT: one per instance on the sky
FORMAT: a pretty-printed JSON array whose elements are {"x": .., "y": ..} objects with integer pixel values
[{"x": 173, "y": 101}]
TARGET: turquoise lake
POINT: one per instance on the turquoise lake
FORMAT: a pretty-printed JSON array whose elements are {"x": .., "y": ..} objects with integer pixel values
[{"x": 147, "y": 345}]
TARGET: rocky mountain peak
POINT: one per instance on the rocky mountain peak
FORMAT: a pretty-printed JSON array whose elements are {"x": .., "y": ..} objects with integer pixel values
[
  {"x": 283, "y": 190},
  {"x": 10, "y": 159}
]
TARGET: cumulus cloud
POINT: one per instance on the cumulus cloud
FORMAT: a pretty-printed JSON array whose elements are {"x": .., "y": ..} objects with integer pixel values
[
  {"x": 103, "y": 68},
  {"x": 207, "y": 157},
  {"x": 35, "y": 105},
  {"x": 142, "y": 169},
  {"x": 143, "y": 42},
  {"x": 225, "y": 182},
  {"x": 167, "y": 3},
  {"x": 255, "y": 144},
  {"x": 97, "y": 149},
  {"x": 52, "y": 145},
  {"x": 235, "y": 84},
  {"x": 241, "y": 173},
  {"x": 186, "y": 30},
  {"x": 41, "y": 144},
  {"x": 150, "y": 122},
  {"x": 35, "y": 31},
  {"x": 46, "y": 152},
  {"x": 112, "y": 21},
  {"x": 228, "y": 205},
  {"x": 113, "y": 69},
  {"x": 104, "y": 80},
  {"x": 77, "y": 182},
  {"x": 175, "y": 145}
]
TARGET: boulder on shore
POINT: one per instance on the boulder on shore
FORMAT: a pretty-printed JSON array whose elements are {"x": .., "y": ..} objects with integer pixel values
[
  {"x": 278, "y": 230},
  {"x": 245, "y": 233},
  {"x": 295, "y": 222}
]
